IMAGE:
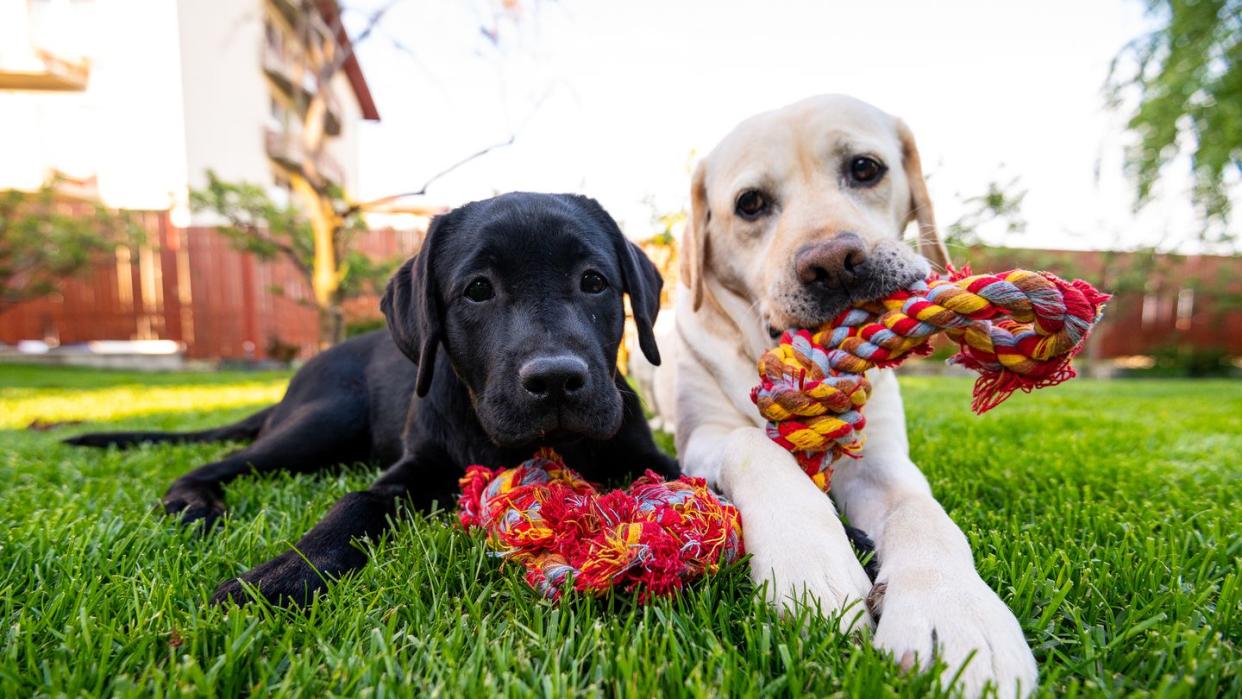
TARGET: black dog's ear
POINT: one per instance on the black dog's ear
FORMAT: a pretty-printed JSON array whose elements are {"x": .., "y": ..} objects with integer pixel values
[
  {"x": 411, "y": 305},
  {"x": 642, "y": 279},
  {"x": 643, "y": 283}
]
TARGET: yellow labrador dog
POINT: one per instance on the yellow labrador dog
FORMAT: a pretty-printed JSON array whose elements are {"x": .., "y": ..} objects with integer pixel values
[{"x": 797, "y": 213}]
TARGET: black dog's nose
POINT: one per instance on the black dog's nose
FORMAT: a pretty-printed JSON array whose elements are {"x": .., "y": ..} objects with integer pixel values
[
  {"x": 553, "y": 377},
  {"x": 831, "y": 263}
]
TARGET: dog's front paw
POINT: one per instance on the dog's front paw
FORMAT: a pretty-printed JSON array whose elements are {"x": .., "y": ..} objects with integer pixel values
[
  {"x": 201, "y": 503},
  {"x": 286, "y": 579},
  {"x": 963, "y": 623},
  {"x": 801, "y": 555}
]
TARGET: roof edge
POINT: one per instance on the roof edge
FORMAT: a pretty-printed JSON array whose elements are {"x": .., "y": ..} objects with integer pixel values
[{"x": 331, "y": 12}]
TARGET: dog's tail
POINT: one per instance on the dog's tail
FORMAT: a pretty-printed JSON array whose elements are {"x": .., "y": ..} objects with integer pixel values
[{"x": 244, "y": 430}]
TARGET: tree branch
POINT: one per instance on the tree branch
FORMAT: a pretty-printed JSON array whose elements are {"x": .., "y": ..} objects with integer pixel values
[
  {"x": 347, "y": 51},
  {"x": 253, "y": 230},
  {"x": 355, "y": 208}
]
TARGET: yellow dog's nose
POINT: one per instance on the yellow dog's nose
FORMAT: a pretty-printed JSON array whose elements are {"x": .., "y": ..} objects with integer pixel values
[{"x": 831, "y": 263}]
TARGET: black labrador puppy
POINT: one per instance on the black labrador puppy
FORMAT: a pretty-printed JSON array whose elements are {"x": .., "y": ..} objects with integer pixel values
[{"x": 523, "y": 293}]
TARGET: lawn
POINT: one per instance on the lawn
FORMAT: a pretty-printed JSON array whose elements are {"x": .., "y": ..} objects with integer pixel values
[{"x": 1105, "y": 514}]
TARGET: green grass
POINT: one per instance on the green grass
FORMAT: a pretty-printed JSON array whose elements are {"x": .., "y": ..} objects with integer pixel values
[{"x": 1106, "y": 514}]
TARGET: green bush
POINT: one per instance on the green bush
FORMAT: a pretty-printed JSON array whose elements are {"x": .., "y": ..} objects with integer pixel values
[
  {"x": 361, "y": 327},
  {"x": 1189, "y": 361}
]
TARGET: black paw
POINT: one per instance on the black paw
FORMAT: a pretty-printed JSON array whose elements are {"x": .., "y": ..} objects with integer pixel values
[
  {"x": 196, "y": 503},
  {"x": 865, "y": 548},
  {"x": 666, "y": 466},
  {"x": 285, "y": 580}
]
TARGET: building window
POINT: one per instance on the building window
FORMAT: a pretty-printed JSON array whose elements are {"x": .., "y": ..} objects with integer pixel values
[
  {"x": 278, "y": 117},
  {"x": 272, "y": 34},
  {"x": 1151, "y": 309},
  {"x": 1185, "y": 308}
]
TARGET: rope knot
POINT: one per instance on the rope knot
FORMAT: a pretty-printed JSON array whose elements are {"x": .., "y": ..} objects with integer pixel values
[
  {"x": 1018, "y": 330},
  {"x": 652, "y": 537}
]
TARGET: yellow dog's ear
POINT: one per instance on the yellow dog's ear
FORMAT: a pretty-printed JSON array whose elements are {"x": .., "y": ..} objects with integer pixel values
[
  {"x": 694, "y": 239},
  {"x": 930, "y": 245}
]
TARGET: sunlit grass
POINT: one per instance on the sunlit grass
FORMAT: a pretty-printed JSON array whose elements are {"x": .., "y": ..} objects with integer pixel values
[
  {"x": 1105, "y": 514},
  {"x": 34, "y": 393}
]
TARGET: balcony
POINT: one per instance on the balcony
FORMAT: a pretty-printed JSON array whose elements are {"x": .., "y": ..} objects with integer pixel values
[
  {"x": 286, "y": 150},
  {"x": 46, "y": 73},
  {"x": 297, "y": 82}
]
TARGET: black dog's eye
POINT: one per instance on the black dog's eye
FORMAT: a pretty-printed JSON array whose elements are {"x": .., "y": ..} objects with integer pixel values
[
  {"x": 865, "y": 171},
  {"x": 594, "y": 283},
  {"x": 480, "y": 290},
  {"x": 751, "y": 204}
]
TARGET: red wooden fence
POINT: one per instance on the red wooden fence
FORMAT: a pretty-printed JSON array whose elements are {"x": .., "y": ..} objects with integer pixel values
[
  {"x": 1184, "y": 301},
  {"x": 190, "y": 286}
]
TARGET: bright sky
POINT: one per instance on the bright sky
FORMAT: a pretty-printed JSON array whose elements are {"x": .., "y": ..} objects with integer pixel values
[{"x": 613, "y": 99}]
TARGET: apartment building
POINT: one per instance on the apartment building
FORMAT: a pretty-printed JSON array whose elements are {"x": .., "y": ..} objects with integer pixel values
[
  {"x": 130, "y": 103},
  {"x": 144, "y": 96}
]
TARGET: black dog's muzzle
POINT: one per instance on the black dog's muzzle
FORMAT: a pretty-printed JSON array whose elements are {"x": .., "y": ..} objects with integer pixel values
[{"x": 554, "y": 380}]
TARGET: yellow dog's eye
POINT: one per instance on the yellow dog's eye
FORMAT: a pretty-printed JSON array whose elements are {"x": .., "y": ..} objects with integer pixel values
[
  {"x": 865, "y": 170},
  {"x": 751, "y": 204}
]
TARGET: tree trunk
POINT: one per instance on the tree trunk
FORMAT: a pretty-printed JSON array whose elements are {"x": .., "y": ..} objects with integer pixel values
[
  {"x": 331, "y": 325},
  {"x": 325, "y": 277},
  {"x": 325, "y": 271}
]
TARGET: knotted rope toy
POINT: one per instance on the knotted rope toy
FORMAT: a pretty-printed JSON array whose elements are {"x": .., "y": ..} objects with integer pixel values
[
  {"x": 1018, "y": 330},
  {"x": 651, "y": 537}
]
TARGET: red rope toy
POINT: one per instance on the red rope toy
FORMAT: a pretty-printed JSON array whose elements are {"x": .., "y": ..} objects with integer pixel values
[
  {"x": 652, "y": 536},
  {"x": 1019, "y": 330}
]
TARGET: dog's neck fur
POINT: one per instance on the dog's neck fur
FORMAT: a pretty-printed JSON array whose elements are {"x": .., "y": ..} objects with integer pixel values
[
  {"x": 730, "y": 308},
  {"x": 730, "y": 336}
]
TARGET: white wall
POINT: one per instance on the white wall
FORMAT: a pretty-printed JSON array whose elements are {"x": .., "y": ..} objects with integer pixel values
[
  {"x": 174, "y": 89},
  {"x": 124, "y": 128},
  {"x": 138, "y": 124},
  {"x": 224, "y": 93},
  {"x": 40, "y": 132}
]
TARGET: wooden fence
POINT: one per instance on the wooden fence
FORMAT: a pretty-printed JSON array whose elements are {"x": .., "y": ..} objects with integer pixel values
[
  {"x": 190, "y": 286},
  {"x": 1182, "y": 301}
]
